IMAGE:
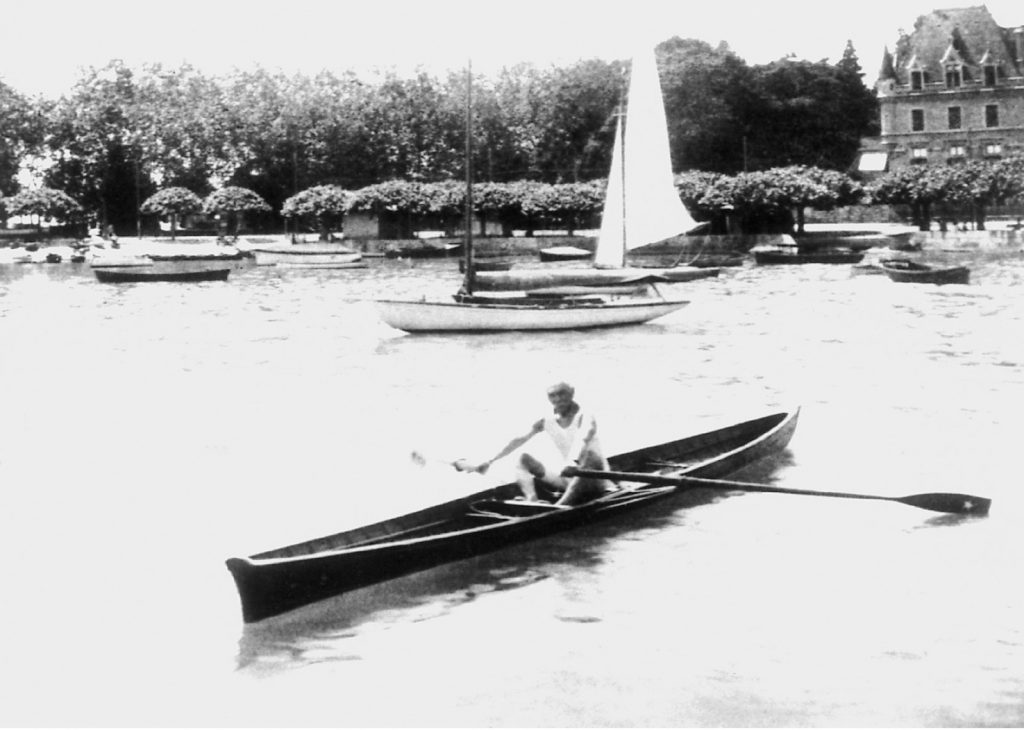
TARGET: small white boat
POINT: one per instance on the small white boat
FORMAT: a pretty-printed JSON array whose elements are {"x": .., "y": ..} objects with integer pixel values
[
  {"x": 522, "y": 314},
  {"x": 565, "y": 253},
  {"x": 308, "y": 255}
]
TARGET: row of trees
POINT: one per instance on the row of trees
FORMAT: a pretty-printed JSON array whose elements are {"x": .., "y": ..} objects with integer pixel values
[
  {"x": 122, "y": 134},
  {"x": 230, "y": 203},
  {"x": 767, "y": 200},
  {"x": 961, "y": 192}
]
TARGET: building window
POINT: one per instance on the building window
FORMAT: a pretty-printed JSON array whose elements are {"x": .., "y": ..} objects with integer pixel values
[
  {"x": 916, "y": 80},
  {"x": 919, "y": 153},
  {"x": 991, "y": 115},
  {"x": 953, "y": 77},
  {"x": 917, "y": 120},
  {"x": 990, "y": 76},
  {"x": 954, "y": 117},
  {"x": 993, "y": 149},
  {"x": 957, "y": 152}
]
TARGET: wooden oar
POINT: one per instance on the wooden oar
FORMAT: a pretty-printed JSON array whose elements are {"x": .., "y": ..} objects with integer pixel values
[
  {"x": 420, "y": 459},
  {"x": 935, "y": 501}
]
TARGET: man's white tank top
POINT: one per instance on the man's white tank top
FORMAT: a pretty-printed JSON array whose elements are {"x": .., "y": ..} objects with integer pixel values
[{"x": 567, "y": 439}]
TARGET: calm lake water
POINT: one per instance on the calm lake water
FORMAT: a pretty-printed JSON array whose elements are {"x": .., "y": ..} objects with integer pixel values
[{"x": 150, "y": 431}]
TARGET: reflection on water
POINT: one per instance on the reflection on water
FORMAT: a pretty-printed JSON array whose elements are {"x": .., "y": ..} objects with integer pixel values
[{"x": 568, "y": 558}]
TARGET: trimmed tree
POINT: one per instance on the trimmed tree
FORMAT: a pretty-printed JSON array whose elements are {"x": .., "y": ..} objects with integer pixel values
[
  {"x": 799, "y": 187},
  {"x": 44, "y": 203},
  {"x": 917, "y": 187},
  {"x": 174, "y": 203},
  {"x": 233, "y": 203},
  {"x": 324, "y": 204},
  {"x": 566, "y": 204},
  {"x": 506, "y": 202}
]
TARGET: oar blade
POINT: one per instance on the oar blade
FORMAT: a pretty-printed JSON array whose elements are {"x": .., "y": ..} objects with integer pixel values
[{"x": 960, "y": 504}]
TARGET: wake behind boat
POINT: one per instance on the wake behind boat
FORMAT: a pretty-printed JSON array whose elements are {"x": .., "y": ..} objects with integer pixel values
[{"x": 280, "y": 580}]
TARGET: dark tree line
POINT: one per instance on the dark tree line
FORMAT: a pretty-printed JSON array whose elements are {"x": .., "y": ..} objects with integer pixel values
[{"x": 122, "y": 134}]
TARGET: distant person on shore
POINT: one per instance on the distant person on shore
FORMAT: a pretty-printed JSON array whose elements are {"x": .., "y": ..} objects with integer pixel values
[{"x": 573, "y": 434}]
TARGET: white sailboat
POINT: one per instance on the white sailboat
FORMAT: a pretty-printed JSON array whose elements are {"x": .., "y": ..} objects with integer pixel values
[
  {"x": 641, "y": 205},
  {"x": 554, "y": 308}
]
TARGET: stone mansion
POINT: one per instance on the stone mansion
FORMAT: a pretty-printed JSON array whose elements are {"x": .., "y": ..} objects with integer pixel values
[{"x": 952, "y": 90}]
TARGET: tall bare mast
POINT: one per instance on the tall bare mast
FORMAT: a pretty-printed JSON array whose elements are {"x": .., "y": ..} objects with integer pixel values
[{"x": 470, "y": 274}]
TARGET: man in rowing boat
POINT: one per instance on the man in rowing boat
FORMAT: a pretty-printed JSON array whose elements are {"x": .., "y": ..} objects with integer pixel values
[{"x": 573, "y": 433}]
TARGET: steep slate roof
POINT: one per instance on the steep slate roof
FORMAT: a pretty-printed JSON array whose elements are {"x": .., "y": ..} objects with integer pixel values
[
  {"x": 888, "y": 70},
  {"x": 971, "y": 32}
]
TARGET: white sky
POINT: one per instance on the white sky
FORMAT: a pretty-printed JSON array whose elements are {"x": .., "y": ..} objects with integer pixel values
[{"x": 44, "y": 43}]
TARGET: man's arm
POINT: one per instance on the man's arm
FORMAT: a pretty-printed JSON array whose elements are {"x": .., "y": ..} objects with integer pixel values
[{"x": 508, "y": 448}]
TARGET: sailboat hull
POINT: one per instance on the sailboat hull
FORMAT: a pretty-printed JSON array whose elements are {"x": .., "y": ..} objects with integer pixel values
[
  {"x": 527, "y": 279},
  {"x": 461, "y": 317}
]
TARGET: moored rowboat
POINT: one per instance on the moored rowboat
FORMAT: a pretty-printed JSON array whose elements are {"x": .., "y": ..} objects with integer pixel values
[
  {"x": 833, "y": 256},
  {"x": 322, "y": 255},
  {"x": 280, "y": 580},
  {"x": 565, "y": 253},
  {"x": 159, "y": 271},
  {"x": 906, "y": 271}
]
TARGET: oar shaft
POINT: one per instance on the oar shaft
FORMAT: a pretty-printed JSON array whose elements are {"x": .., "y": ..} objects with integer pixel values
[
  {"x": 629, "y": 476},
  {"x": 937, "y": 502}
]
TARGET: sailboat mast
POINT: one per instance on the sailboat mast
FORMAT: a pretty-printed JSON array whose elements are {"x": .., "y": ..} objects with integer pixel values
[
  {"x": 621, "y": 129},
  {"x": 470, "y": 273}
]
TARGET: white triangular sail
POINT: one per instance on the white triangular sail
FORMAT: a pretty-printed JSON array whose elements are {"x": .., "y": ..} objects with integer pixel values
[{"x": 641, "y": 205}]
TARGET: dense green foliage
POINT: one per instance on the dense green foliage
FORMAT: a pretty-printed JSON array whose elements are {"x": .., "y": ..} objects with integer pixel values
[
  {"x": 324, "y": 205},
  {"x": 121, "y": 133},
  {"x": 174, "y": 203},
  {"x": 22, "y": 127},
  {"x": 954, "y": 192},
  {"x": 43, "y": 203},
  {"x": 231, "y": 203}
]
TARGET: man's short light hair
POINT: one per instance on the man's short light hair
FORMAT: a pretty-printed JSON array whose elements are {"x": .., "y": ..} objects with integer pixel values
[{"x": 561, "y": 387}]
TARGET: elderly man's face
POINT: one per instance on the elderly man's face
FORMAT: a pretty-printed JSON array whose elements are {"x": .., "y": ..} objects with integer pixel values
[{"x": 561, "y": 400}]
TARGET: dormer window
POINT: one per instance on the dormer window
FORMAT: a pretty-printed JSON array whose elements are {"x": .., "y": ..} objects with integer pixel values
[
  {"x": 988, "y": 70},
  {"x": 953, "y": 65},
  {"x": 954, "y": 76},
  {"x": 916, "y": 74}
]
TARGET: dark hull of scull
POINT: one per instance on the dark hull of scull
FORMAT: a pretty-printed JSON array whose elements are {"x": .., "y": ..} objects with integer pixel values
[{"x": 287, "y": 578}]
